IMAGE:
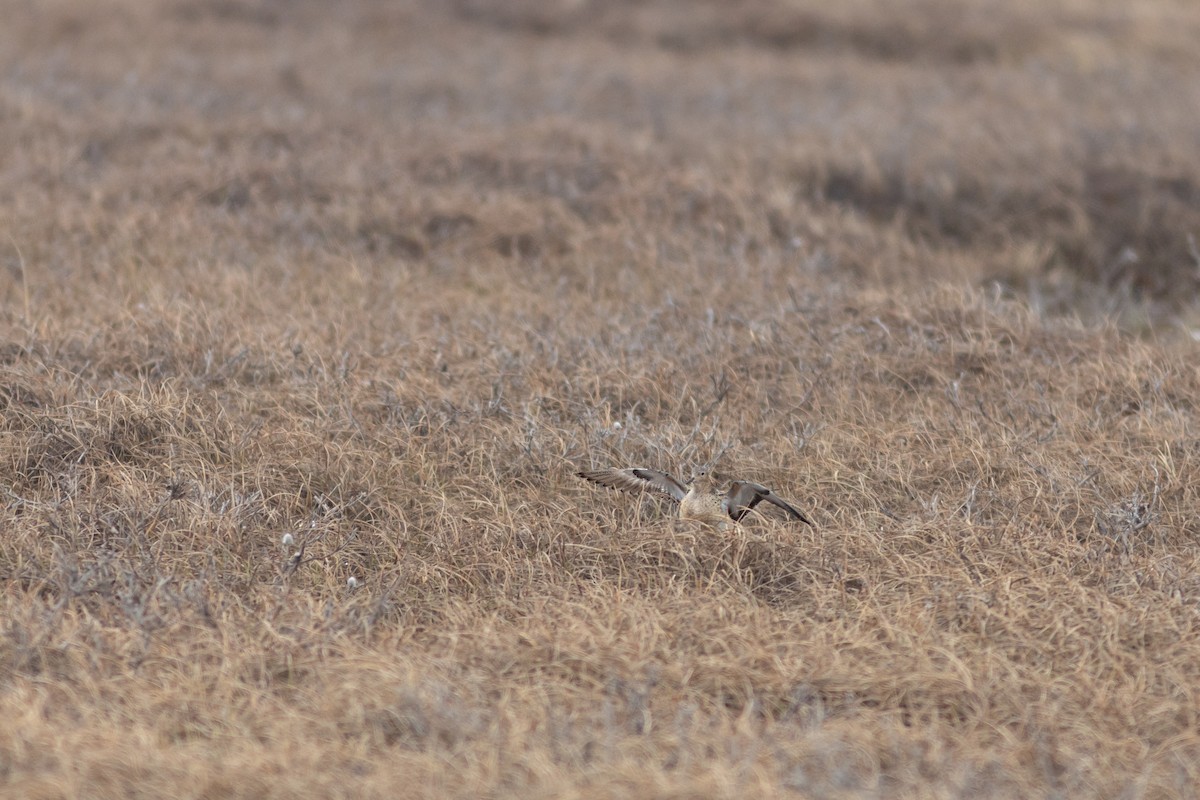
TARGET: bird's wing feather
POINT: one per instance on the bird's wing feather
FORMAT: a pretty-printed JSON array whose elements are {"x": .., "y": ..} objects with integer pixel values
[
  {"x": 637, "y": 479},
  {"x": 743, "y": 496}
]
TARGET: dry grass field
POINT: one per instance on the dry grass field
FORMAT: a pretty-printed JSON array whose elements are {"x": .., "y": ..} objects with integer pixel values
[{"x": 378, "y": 278}]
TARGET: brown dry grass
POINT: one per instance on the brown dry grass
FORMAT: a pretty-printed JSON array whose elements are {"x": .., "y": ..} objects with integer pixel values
[{"x": 382, "y": 276}]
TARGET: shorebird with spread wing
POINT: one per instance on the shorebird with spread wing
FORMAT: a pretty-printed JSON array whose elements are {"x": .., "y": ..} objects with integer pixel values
[{"x": 699, "y": 498}]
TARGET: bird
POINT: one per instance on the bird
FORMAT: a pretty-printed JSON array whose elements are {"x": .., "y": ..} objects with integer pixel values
[{"x": 699, "y": 498}]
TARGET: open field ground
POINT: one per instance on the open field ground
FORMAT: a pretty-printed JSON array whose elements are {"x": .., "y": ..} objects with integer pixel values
[{"x": 380, "y": 277}]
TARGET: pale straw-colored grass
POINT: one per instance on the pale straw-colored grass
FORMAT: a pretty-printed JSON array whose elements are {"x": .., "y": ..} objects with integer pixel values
[{"x": 377, "y": 279}]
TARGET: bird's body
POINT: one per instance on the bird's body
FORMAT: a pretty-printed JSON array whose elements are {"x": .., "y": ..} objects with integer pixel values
[
  {"x": 700, "y": 498},
  {"x": 702, "y": 503}
]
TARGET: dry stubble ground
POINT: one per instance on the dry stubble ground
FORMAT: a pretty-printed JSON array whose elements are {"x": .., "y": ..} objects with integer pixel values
[{"x": 382, "y": 276}]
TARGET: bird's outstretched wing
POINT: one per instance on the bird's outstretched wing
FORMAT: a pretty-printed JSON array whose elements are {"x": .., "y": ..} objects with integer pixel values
[
  {"x": 636, "y": 479},
  {"x": 745, "y": 495}
]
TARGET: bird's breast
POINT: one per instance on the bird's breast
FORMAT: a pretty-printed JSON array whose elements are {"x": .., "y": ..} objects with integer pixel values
[{"x": 701, "y": 506}]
